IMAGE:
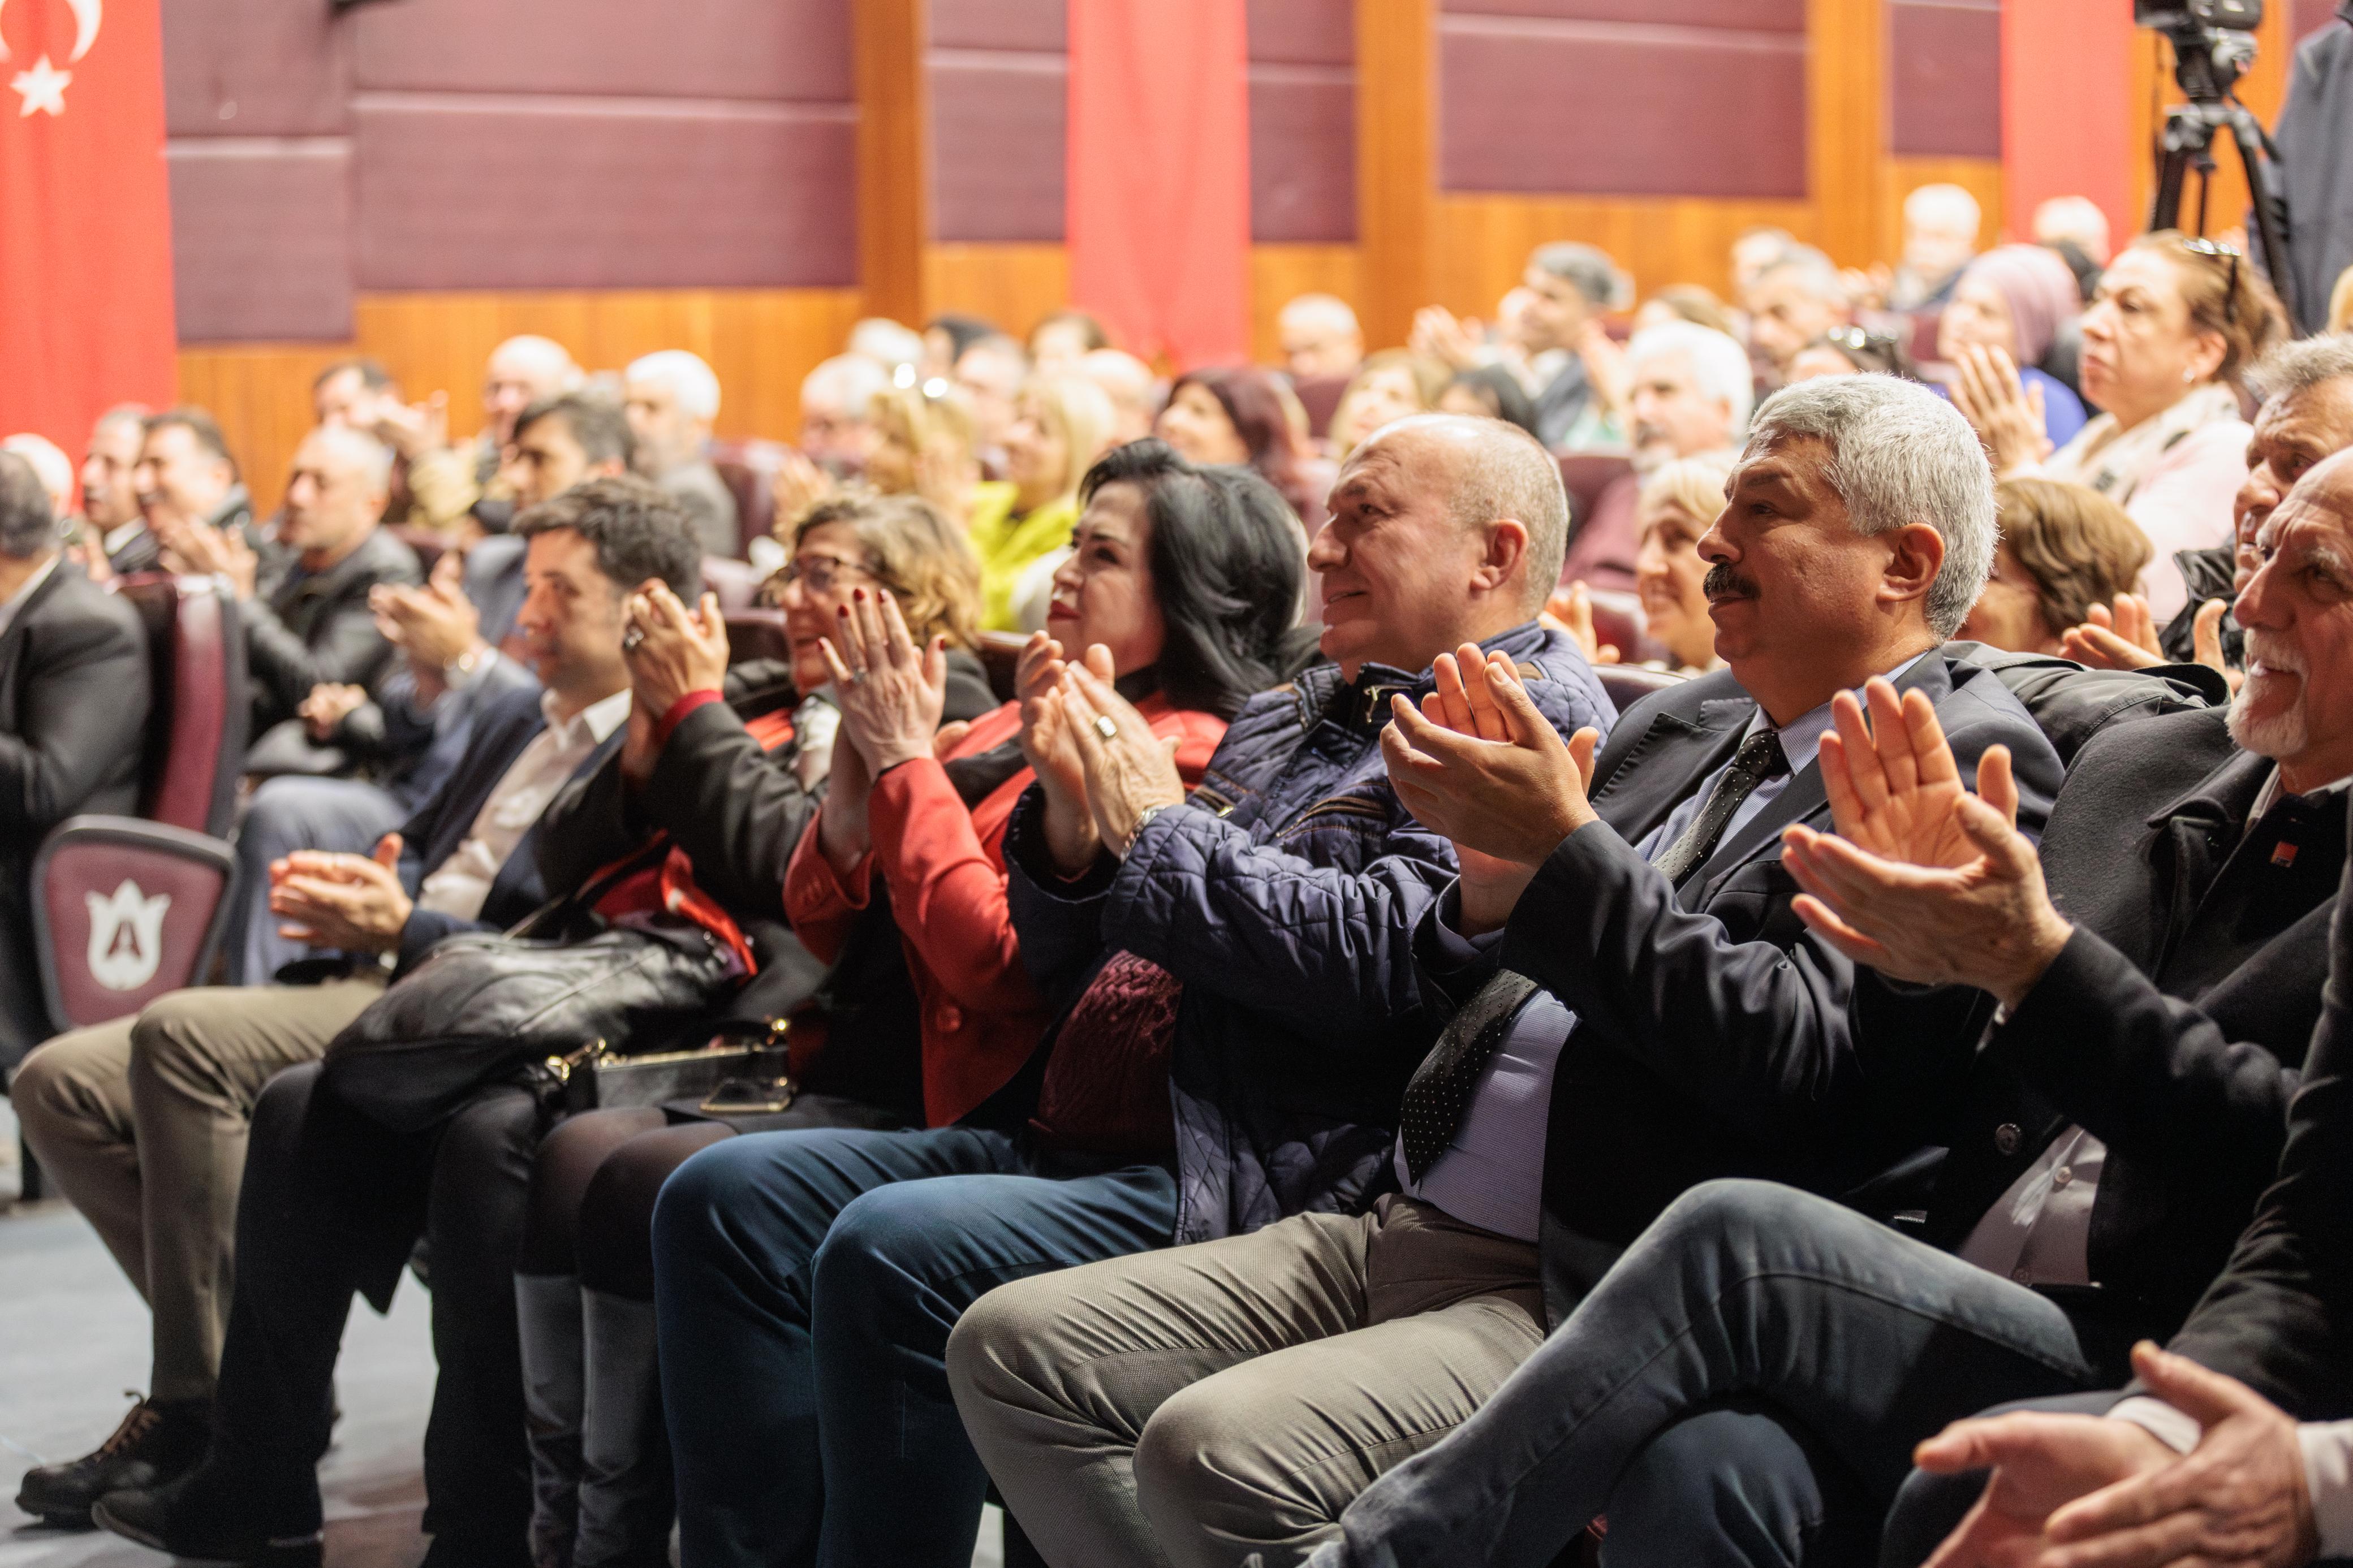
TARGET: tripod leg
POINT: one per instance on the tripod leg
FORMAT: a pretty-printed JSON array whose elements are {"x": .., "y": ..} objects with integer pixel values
[{"x": 2269, "y": 215}]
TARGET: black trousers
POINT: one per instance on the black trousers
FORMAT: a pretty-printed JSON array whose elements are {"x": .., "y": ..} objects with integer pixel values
[{"x": 332, "y": 1207}]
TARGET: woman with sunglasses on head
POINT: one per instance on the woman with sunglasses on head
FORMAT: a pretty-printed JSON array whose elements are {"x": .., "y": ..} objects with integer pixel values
[
  {"x": 706, "y": 766},
  {"x": 2166, "y": 339},
  {"x": 1850, "y": 350}
]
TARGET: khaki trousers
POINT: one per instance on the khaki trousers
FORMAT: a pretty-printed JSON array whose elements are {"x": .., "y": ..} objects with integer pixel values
[
  {"x": 142, "y": 1123},
  {"x": 1196, "y": 1405}
]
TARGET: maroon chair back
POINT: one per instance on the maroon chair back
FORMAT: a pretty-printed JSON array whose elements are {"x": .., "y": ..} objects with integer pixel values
[
  {"x": 1627, "y": 684},
  {"x": 1320, "y": 395},
  {"x": 756, "y": 633},
  {"x": 429, "y": 545},
  {"x": 197, "y": 727},
  {"x": 125, "y": 911},
  {"x": 1000, "y": 656},
  {"x": 737, "y": 582},
  {"x": 1586, "y": 474},
  {"x": 749, "y": 467},
  {"x": 1926, "y": 324}
]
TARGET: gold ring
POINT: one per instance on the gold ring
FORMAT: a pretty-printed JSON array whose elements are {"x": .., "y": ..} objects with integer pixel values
[{"x": 1105, "y": 728}]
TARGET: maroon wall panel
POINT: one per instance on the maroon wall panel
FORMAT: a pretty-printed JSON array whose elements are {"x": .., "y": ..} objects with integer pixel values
[
  {"x": 2309, "y": 16},
  {"x": 462, "y": 193},
  {"x": 261, "y": 239},
  {"x": 795, "y": 51},
  {"x": 1754, "y": 15},
  {"x": 254, "y": 67},
  {"x": 1302, "y": 108},
  {"x": 1540, "y": 104},
  {"x": 1944, "y": 77},
  {"x": 998, "y": 123},
  {"x": 1035, "y": 25}
]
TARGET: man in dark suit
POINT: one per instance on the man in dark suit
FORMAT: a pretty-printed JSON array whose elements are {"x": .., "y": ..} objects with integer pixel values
[
  {"x": 144, "y": 1123},
  {"x": 2106, "y": 1142},
  {"x": 1640, "y": 1010},
  {"x": 73, "y": 710},
  {"x": 116, "y": 534}
]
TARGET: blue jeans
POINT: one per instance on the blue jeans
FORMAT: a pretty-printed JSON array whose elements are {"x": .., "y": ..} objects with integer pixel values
[
  {"x": 1861, "y": 1341},
  {"x": 805, "y": 1284},
  {"x": 288, "y": 813}
]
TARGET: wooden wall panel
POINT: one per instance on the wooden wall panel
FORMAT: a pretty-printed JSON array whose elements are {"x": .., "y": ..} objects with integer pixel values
[
  {"x": 1847, "y": 125},
  {"x": 1396, "y": 161},
  {"x": 1981, "y": 177},
  {"x": 761, "y": 342},
  {"x": 1012, "y": 285},
  {"x": 1485, "y": 240},
  {"x": 1282, "y": 273},
  {"x": 892, "y": 156}
]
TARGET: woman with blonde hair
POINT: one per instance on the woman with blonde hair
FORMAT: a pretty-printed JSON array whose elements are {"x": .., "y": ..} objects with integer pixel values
[
  {"x": 1020, "y": 529},
  {"x": 1388, "y": 385},
  {"x": 2064, "y": 549}
]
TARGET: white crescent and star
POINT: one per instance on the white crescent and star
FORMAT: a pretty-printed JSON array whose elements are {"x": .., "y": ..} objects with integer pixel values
[{"x": 43, "y": 87}]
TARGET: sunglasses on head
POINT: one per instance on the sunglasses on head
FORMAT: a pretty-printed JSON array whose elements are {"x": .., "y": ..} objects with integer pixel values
[{"x": 2214, "y": 250}]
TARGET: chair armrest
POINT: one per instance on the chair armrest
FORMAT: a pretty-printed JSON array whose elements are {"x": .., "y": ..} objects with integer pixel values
[{"x": 124, "y": 911}]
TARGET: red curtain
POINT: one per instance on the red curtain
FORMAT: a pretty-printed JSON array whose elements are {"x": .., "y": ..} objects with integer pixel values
[
  {"x": 2066, "y": 109},
  {"x": 1158, "y": 193},
  {"x": 85, "y": 216}
]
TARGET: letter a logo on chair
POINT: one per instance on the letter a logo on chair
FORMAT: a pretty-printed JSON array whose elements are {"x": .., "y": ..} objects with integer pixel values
[{"x": 126, "y": 936}]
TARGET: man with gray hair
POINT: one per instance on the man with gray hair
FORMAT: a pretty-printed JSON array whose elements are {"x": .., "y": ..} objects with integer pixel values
[
  {"x": 837, "y": 413},
  {"x": 1795, "y": 300},
  {"x": 672, "y": 399},
  {"x": 1562, "y": 295},
  {"x": 73, "y": 713},
  {"x": 1689, "y": 392},
  {"x": 1640, "y": 1009},
  {"x": 1940, "y": 237},
  {"x": 1320, "y": 337}
]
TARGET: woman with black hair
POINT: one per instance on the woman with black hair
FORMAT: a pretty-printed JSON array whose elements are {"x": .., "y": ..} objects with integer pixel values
[
  {"x": 1490, "y": 392},
  {"x": 1180, "y": 587}
]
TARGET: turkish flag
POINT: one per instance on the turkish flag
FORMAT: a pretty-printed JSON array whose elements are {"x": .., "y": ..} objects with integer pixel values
[
  {"x": 85, "y": 216},
  {"x": 1157, "y": 204}
]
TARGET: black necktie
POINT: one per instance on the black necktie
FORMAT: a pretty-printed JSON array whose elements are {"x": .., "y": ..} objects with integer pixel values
[
  {"x": 1440, "y": 1090},
  {"x": 1758, "y": 759}
]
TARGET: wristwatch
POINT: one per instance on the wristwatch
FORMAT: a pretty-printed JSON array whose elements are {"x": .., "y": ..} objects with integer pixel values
[
  {"x": 1143, "y": 820},
  {"x": 461, "y": 669}
]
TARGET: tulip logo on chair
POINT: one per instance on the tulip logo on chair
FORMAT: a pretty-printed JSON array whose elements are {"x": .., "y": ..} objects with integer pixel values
[{"x": 126, "y": 936}]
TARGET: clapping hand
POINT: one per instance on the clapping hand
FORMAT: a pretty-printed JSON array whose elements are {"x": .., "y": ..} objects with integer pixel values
[
  {"x": 1478, "y": 763},
  {"x": 674, "y": 650},
  {"x": 201, "y": 548},
  {"x": 890, "y": 693},
  {"x": 2122, "y": 639},
  {"x": 2006, "y": 414},
  {"x": 1923, "y": 882},
  {"x": 1053, "y": 752},
  {"x": 350, "y": 901},
  {"x": 328, "y": 706},
  {"x": 1129, "y": 771},
  {"x": 844, "y": 830},
  {"x": 1571, "y": 609}
]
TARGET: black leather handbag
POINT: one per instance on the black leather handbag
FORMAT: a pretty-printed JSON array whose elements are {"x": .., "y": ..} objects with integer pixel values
[{"x": 742, "y": 1070}]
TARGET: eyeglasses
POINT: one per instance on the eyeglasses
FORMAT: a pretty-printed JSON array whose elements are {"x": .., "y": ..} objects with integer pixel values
[
  {"x": 2214, "y": 252},
  {"x": 1856, "y": 339},
  {"x": 818, "y": 572}
]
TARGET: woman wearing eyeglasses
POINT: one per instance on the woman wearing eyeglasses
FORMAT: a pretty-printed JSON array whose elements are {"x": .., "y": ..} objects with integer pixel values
[
  {"x": 2166, "y": 340},
  {"x": 704, "y": 768}
]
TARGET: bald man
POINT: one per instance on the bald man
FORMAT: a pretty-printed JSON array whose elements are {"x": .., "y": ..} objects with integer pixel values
[
  {"x": 521, "y": 372},
  {"x": 1320, "y": 337}
]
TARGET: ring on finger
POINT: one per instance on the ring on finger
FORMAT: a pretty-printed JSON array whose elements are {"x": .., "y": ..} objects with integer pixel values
[
  {"x": 1105, "y": 728},
  {"x": 857, "y": 676}
]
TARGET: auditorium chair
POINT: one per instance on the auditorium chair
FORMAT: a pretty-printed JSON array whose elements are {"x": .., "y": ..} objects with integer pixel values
[
  {"x": 427, "y": 544},
  {"x": 750, "y": 467},
  {"x": 756, "y": 633},
  {"x": 126, "y": 908},
  {"x": 1319, "y": 397},
  {"x": 1585, "y": 475},
  {"x": 1627, "y": 684},
  {"x": 1000, "y": 656},
  {"x": 737, "y": 582}
]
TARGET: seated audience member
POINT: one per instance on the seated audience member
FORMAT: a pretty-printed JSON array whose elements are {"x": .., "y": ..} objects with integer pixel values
[
  {"x": 1231, "y": 1016},
  {"x": 897, "y": 348},
  {"x": 73, "y": 719},
  {"x": 2307, "y": 414},
  {"x": 1320, "y": 337},
  {"x": 1688, "y": 392},
  {"x": 947, "y": 337},
  {"x": 1686, "y": 302},
  {"x": 187, "y": 478},
  {"x": 2076, "y": 223},
  {"x": 521, "y": 372},
  {"x": 117, "y": 530},
  {"x": 1753, "y": 253},
  {"x": 1794, "y": 301},
  {"x": 672, "y": 401},
  {"x": 1640, "y": 1010},
  {"x": 924, "y": 447},
  {"x": 2064, "y": 550},
  {"x": 2166, "y": 341},
  {"x": 412, "y": 730},
  {"x": 50, "y": 464},
  {"x": 837, "y": 414},
  {"x": 903, "y": 886},
  {"x": 1997, "y": 326},
  {"x": 1391, "y": 385},
  {"x": 1134, "y": 391},
  {"x": 1558, "y": 326},
  {"x": 144, "y": 1121},
  {"x": 1489, "y": 392},
  {"x": 1940, "y": 236},
  {"x": 1850, "y": 350},
  {"x": 1061, "y": 423},
  {"x": 2231, "y": 1445},
  {"x": 1677, "y": 506},
  {"x": 1234, "y": 417},
  {"x": 1059, "y": 341},
  {"x": 360, "y": 395},
  {"x": 306, "y": 617},
  {"x": 988, "y": 375},
  {"x": 332, "y": 1202},
  {"x": 2105, "y": 1143}
]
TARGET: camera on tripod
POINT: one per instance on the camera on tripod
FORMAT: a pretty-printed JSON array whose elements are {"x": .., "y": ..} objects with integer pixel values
[{"x": 2213, "y": 41}]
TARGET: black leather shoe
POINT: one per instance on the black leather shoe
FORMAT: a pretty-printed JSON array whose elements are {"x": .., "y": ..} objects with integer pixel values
[
  {"x": 203, "y": 1518},
  {"x": 155, "y": 1444}
]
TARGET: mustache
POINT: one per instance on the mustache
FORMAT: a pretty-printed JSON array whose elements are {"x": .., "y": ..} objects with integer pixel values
[
  {"x": 1722, "y": 583},
  {"x": 2272, "y": 653}
]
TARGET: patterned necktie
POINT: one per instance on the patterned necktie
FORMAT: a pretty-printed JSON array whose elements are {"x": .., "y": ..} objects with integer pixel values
[
  {"x": 1440, "y": 1090},
  {"x": 1758, "y": 759}
]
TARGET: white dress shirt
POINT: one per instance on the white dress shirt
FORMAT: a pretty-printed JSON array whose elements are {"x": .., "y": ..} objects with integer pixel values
[{"x": 463, "y": 883}]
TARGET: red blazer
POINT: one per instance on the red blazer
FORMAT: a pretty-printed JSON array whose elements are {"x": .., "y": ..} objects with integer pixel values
[{"x": 945, "y": 869}]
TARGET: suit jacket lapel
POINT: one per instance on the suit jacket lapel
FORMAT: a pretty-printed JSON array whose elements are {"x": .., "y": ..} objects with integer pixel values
[
  {"x": 522, "y": 864},
  {"x": 12, "y": 641},
  {"x": 1674, "y": 755}
]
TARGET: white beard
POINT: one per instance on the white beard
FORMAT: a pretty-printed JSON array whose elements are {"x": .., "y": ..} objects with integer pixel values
[{"x": 2281, "y": 734}]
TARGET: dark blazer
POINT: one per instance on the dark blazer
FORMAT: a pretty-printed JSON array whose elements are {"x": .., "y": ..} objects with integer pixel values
[
  {"x": 1713, "y": 1035},
  {"x": 501, "y": 731},
  {"x": 142, "y": 553},
  {"x": 73, "y": 719},
  {"x": 2172, "y": 1024},
  {"x": 2278, "y": 1319},
  {"x": 306, "y": 628}
]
